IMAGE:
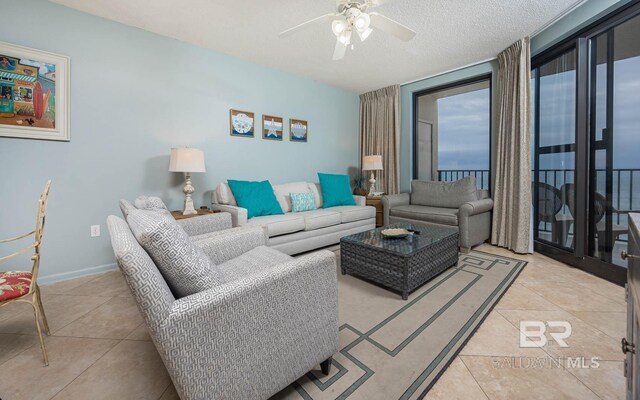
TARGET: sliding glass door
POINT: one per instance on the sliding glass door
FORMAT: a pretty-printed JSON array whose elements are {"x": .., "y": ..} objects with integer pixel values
[
  {"x": 554, "y": 138},
  {"x": 614, "y": 173},
  {"x": 452, "y": 132},
  {"x": 586, "y": 145}
]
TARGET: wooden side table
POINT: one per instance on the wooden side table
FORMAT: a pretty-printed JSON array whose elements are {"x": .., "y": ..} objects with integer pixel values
[
  {"x": 201, "y": 211},
  {"x": 376, "y": 201}
]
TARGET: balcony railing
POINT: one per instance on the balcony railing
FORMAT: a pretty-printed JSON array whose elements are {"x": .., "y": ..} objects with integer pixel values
[
  {"x": 482, "y": 176},
  {"x": 625, "y": 181}
]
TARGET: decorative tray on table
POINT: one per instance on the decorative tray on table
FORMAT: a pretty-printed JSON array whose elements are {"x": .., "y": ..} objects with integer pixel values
[{"x": 395, "y": 233}]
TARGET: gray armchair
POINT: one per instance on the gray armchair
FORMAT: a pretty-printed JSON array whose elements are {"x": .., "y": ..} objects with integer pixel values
[
  {"x": 272, "y": 319},
  {"x": 456, "y": 203}
]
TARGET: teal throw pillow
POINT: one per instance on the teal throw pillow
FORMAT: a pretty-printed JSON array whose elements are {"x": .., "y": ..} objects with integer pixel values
[
  {"x": 336, "y": 190},
  {"x": 257, "y": 197},
  {"x": 302, "y": 201}
]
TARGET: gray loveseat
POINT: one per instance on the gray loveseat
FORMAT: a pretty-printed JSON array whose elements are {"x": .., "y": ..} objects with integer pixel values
[
  {"x": 271, "y": 318},
  {"x": 457, "y": 203}
]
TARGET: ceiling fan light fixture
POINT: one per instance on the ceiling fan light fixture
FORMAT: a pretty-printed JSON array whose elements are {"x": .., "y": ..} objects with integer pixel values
[
  {"x": 362, "y": 22},
  {"x": 338, "y": 26},
  {"x": 345, "y": 37},
  {"x": 364, "y": 34}
]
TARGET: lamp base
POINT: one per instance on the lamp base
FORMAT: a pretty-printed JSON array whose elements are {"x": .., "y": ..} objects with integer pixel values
[
  {"x": 188, "y": 189},
  {"x": 372, "y": 186}
]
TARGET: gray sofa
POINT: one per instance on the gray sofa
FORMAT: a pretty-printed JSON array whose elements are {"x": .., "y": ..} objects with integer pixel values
[
  {"x": 295, "y": 233},
  {"x": 457, "y": 203},
  {"x": 270, "y": 319}
]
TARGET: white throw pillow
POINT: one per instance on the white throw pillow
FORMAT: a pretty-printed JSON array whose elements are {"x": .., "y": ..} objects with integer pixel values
[{"x": 225, "y": 195}]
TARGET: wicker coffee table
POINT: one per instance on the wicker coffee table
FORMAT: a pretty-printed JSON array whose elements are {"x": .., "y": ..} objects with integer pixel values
[{"x": 404, "y": 264}]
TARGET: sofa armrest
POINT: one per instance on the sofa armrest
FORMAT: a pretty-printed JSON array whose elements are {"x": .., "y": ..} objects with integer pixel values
[
  {"x": 393, "y": 200},
  {"x": 475, "y": 207},
  {"x": 474, "y": 223},
  {"x": 232, "y": 243},
  {"x": 217, "y": 339},
  {"x": 238, "y": 214},
  {"x": 206, "y": 223},
  {"x": 360, "y": 200}
]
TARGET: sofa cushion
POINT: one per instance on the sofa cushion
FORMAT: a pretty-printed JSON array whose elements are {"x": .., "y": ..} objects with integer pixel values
[
  {"x": 354, "y": 213},
  {"x": 184, "y": 265},
  {"x": 438, "y": 215},
  {"x": 336, "y": 190},
  {"x": 224, "y": 195},
  {"x": 257, "y": 197},
  {"x": 279, "y": 224},
  {"x": 317, "y": 219},
  {"x": 444, "y": 194},
  {"x": 315, "y": 188},
  {"x": 283, "y": 192},
  {"x": 254, "y": 261}
]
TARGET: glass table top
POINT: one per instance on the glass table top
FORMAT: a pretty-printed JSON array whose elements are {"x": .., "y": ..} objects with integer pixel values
[{"x": 428, "y": 235}]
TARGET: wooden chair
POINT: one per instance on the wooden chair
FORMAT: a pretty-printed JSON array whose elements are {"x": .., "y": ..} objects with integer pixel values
[{"x": 22, "y": 286}]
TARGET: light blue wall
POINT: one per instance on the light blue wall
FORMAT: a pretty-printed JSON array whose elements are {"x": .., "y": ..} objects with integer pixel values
[
  {"x": 582, "y": 16},
  {"x": 134, "y": 95}
]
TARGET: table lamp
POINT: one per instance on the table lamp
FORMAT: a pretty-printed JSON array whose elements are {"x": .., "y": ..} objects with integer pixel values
[
  {"x": 372, "y": 163},
  {"x": 187, "y": 160}
]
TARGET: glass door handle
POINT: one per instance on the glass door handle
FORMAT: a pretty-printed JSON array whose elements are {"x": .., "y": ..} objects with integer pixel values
[{"x": 624, "y": 255}]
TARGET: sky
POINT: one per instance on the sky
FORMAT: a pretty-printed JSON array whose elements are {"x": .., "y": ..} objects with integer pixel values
[
  {"x": 557, "y": 114},
  {"x": 463, "y": 120},
  {"x": 463, "y": 131}
]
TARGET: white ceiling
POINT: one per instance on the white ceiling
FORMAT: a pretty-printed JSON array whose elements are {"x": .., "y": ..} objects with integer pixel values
[{"x": 450, "y": 33}]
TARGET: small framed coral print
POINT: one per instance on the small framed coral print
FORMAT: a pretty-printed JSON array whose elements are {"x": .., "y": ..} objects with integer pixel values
[
  {"x": 272, "y": 127},
  {"x": 241, "y": 123},
  {"x": 298, "y": 130}
]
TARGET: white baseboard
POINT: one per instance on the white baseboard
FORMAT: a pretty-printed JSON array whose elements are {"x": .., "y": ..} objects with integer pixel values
[{"x": 47, "y": 279}]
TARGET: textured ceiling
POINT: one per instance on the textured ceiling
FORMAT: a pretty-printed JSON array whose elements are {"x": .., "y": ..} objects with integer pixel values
[{"x": 450, "y": 33}]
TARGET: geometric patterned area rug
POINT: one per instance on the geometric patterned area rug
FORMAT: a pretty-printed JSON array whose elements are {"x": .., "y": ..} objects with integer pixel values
[{"x": 397, "y": 349}]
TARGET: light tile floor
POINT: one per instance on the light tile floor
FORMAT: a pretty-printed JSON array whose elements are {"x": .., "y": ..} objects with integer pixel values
[{"x": 100, "y": 349}]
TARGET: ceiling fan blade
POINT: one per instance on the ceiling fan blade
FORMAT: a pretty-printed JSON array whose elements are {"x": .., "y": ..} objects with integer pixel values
[
  {"x": 391, "y": 27},
  {"x": 304, "y": 25},
  {"x": 376, "y": 3},
  {"x": 339, "y": 51}
]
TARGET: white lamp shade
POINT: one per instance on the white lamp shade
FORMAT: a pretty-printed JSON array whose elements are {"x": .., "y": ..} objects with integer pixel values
[
  {"x": 372, "y": 163},
  {"x": 186, "y": 160}
]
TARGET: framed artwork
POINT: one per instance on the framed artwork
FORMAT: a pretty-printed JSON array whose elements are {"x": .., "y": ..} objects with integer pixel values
[
  {"x": 34, "y": 93},
  {"x": 298, "y": 130},
  {"x": 272, "y": 127},
  {"x": 241, "y": 123}
]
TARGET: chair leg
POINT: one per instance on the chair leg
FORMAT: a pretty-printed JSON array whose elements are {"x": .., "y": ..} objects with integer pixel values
[
  {"x": 325, "y": 366},
  {"x": 44, "y": 316},
  {"x": 44, "y": 350}
]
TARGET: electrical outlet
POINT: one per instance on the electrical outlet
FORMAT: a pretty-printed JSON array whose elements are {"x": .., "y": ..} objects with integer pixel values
[{"x": 95, "y": 230}]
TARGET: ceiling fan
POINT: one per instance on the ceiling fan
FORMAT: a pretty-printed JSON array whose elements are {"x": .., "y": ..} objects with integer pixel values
[{"x": 354, "y": 15}]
